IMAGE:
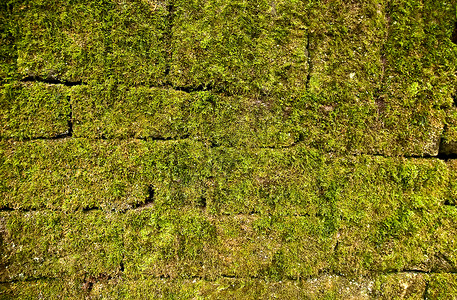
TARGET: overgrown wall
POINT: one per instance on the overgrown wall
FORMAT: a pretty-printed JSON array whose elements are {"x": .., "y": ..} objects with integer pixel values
[{"x": 221, "y": 149}]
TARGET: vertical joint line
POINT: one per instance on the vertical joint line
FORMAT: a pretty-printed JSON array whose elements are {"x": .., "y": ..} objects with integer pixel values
[
  {"x": 70, "y": 118},
  {"x": 454, "y": 40},
  {"x": 169, "y": 36},
  {"x": 379, "y": 96},
  {"x": 384, "y": 45},
  {"x": 310, "y": 64},
  {"x": 424, "y": 296},
  {"x": 121, "y": 265}
]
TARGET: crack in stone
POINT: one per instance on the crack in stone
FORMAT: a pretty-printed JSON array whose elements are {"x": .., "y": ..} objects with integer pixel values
[
  {"x": 121, "y": 265},
  {"x": 89, "y": 282},
  {"x": 379, "y": 95},
  {"x": 51, "y": 81},
  {"x": 446, "y": 151},
  {"x": 33, "y": 279},
  {"x": 427, "y": 283},
  {"x": 454, "y": 33},
  {"x": 11, "y": 209},
  {"x": 70, "y": 119},
  {"x": 191, "y": 89},
  {"x": 439, "y": 156},
  {"x": 448, "y": 203},
  {"x": 148, "y": 202},
  {"x": 310, "y": 63},
  {"x": 169, "y": 37},
  {"x": 161, "y": 138},
  {"x": 454, "y": 99}
]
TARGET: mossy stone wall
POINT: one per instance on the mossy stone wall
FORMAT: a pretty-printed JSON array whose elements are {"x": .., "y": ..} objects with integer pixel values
[{"x": 215, "y": 149}]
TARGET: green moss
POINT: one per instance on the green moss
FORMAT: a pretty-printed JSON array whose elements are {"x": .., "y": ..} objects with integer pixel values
[
  {"x": 8, "y": 51},
  {"x": 346, "y": 41},
  {"x": 184, "y": 243},
  {"x": 264, "y": 181},
  {"x": 451, "y": 200},
  {"x": 49, "y": 289},
  {"x": 31, "y": 110},
  {"x": 91, "y": 40},
  {"x": 420, "y": 57},
  {"x": 395, "y": 223},
  {"x": 399, "y": 286},
  {"x": 380, "y": 214},
  {"x": 123, "y": 112},
  {"x": 419, "y": 75},
  {"x": 449, "y": 140},
  {"x": 395, "y": 286},
  {"x": 360, "y": 214},
  {"x": 239, "y": 47},
  {"x": 179, "y": 172},
  {"x": 391, "y": 202},
  {"x": 247, "y": 130},
  {"x": 442, "y": 286},
  {"x": 113, "y": 110},
  {"x": 302, "y": 180},
  {"x": 166, "y": 243},
  {"x": 345, "y": 107},
  {"x": 71, "y": 174},
  {"x": 54, "y": 244}
]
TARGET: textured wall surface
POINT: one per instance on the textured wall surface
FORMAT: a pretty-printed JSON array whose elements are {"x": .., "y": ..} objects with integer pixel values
[{"x": 228, "y": 149}]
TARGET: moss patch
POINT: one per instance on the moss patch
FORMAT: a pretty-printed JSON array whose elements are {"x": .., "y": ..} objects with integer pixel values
[{"x": 31, "y": 110}]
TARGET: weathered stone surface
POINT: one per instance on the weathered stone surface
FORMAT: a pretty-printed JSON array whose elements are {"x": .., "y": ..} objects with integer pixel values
[{"x": 228, "y": 149}]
